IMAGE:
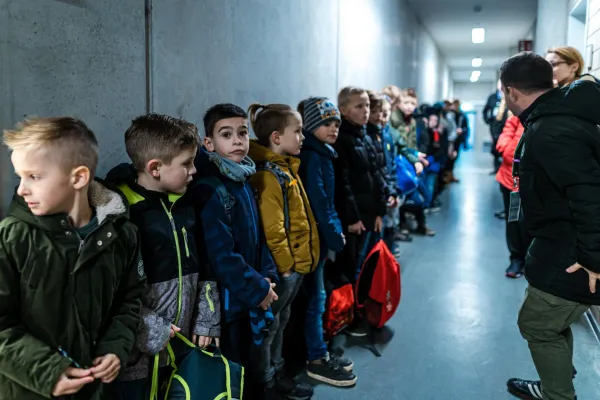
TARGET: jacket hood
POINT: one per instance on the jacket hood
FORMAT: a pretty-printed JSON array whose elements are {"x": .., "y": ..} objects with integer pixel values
[
  {"x": 108, "y": 203},
  {"x": 204, "y": 167},
  {"x": 261, "y": 154},
  {"x": 579, "y": 100},
  {"x": 312, "y": 143},
  {"x": 122, "y": 173}
]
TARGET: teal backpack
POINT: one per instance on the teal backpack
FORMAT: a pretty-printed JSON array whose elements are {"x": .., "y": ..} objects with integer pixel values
[{"x": 204, "y": 375}]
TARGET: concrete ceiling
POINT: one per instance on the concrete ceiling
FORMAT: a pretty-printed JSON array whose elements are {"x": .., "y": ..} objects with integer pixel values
[{"x": 450, "y": 22}]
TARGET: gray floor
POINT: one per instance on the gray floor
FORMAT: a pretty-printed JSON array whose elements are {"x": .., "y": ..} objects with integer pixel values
[{"x": 455, "y": 330}]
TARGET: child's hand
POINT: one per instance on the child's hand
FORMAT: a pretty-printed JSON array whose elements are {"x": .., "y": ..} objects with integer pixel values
[
  {"x": 418, "y": 168},
  {"x": 357, "y": 228},
  {"x": 270, "y": 298},
  {"x": 392, "y": 202},
  {"x": 71, "y": 381},
  {"x": 378, "y": 224},
  {"x": 204, "y": 341},
  {"x": 106, "y": 368},
  {"x": 172, "y": 333}
]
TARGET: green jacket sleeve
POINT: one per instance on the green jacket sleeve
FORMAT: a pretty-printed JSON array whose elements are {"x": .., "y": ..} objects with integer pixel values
[
  {"x": 24, "y": 359},
  {"x": 401, "y": 147},
  {"x": 119, "y": 336}
]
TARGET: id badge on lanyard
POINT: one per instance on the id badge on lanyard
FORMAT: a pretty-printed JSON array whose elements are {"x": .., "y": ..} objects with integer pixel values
[{"x": 514, "y": 208}]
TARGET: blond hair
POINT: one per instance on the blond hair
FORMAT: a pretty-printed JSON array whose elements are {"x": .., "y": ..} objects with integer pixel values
[
  {"x": 268, "y": 118},
  {"x": 157, "y": 136},
  {"x": 393, "y": 92},
  {"x": 69, "y": 141},
  {"x": 347, "y": 93},
  {"x": 409, "y": 92},
  {"x": 570, "y": 55}
]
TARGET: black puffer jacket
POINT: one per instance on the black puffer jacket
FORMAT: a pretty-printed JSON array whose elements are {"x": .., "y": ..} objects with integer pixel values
[
  {"x": 560, "y": 189},
  {"x": 358, "y": 196},
  {"x": 385, "y": 182}
]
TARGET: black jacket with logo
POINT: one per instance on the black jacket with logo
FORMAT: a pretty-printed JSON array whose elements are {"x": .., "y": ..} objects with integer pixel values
[{"x": 560, "y": 189}]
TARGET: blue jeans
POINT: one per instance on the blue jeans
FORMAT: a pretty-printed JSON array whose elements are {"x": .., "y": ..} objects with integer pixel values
[
  {"x": 314, "y": 286},
  {"x": 430, "y": 182},
  {"x": 269, "y": 355}
]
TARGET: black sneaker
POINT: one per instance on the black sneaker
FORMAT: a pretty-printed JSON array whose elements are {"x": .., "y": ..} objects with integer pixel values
[
  {"x": 290, "y": 389},
  {"x": 528, "y": 390},
  {"x": 515, "y": 270},
  {"x": 357, "y": 329},
  {"x": 345, "y": 363},
  {"x": 330, "y": 372}
]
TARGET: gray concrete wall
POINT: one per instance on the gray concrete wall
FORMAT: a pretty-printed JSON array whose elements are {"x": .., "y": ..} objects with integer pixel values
[
  {"x": 73, "y": 57},
  {"x": 87, "y": 58}
]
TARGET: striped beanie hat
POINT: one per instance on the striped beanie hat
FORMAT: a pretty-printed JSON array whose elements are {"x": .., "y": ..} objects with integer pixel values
[{"x": 319, "y": 111}]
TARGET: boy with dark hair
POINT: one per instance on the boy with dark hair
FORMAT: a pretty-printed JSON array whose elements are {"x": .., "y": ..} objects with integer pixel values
[
  {"x": 231, "y": 237},
  {"x": 180, "y": 297},
  {"x": 557, "y": 175},
  {"x": 71, "y": 279}
]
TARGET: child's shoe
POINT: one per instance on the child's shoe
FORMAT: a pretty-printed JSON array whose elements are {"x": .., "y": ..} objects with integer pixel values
[
  {"x": 328, "y": 371},
  {"x": 288, "y": 388},
  {"x": 345, "y": 363}
]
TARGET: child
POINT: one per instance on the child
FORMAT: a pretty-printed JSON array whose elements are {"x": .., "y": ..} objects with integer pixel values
[
  {"x": 321, "y": 123},
  {"x": 403, "y": 120},
  {"x": 375, "y": 132},
  {"x": 360, "y": 201},
  {"x": 290, "y": 227},
  {"x": 178, "y": 298},
  {"x": 392, "y": 219},
  {"x": 71, "y": 280},
  {"x": 232, "y": 239}
]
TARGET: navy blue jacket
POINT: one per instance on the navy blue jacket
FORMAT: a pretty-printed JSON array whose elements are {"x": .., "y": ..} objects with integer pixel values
[
  {"x": 234, "y": 246},
  {"x": 316, "y": 172}
]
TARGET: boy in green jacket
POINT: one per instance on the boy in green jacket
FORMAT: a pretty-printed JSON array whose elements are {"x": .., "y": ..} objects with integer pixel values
[{"x": 71, "y": 279}]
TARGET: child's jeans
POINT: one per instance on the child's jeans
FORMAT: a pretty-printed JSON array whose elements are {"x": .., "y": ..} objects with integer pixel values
[
  {"x": 269, "y": 356},
  {"x": 392, "y": 219},
  {"x": 314, "y": 287},
  {"x": 430, "y": 182}
]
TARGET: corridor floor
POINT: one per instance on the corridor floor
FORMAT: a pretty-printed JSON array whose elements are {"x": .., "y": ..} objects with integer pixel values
[{"x": 455, "y": 330}]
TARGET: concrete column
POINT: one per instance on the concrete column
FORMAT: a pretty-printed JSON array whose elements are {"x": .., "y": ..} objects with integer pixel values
[{"x": 551, "y": 28}]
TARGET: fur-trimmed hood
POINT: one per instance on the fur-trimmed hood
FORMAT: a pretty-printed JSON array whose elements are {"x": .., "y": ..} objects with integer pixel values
[{"x": 108, "y": 204}]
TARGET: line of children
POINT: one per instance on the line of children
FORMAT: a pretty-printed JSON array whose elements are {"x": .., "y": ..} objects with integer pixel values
[{"x": 229, "y": 231}]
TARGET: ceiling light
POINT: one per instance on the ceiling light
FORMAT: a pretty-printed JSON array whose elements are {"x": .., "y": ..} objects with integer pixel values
[
  {"x": 474, "y": 78},
  {"x": 477, "y": 62},
  {"x": 478, "y": 35}
]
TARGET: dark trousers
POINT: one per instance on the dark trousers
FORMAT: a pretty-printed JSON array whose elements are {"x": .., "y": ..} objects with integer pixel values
[
  {"x": 236, "y": 339},
  {"x": 545, "y": 322},
  {"x": 517, "y": 239},
  {"x": 348, "y": 260}
]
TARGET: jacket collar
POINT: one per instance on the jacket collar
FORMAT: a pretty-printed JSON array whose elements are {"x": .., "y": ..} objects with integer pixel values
[
  {"x": 260, "y": 154},
  {"x": 312, "y": 143}
]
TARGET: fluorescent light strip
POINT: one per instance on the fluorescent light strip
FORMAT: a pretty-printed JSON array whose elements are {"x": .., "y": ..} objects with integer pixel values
[
  {"x": 478, "y": 35},
  {"x": 477, "y": 62}
]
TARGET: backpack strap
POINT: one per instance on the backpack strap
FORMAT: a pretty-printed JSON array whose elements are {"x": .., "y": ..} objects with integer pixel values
[
  {"x": 283, "y": 179},
  {"x": 226, "y": 199}
]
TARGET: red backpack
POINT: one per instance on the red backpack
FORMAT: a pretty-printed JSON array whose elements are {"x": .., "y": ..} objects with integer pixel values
[
  {"x": 339, "y": 311},
  {"x": 378, "y": 287}
]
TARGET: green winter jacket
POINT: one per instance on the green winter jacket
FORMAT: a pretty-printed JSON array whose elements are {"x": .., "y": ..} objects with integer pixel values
[{"x": 57, "y": 290}]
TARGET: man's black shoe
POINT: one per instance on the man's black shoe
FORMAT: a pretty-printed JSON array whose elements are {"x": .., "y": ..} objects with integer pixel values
[{"x": 527, "y": 390}]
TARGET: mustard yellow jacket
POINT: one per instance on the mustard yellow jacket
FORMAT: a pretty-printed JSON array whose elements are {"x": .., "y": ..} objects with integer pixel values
[{"x": 299, "y": 248}]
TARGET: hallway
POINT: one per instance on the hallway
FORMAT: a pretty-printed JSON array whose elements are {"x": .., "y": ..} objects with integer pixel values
[{"x": 455, "y": 331}]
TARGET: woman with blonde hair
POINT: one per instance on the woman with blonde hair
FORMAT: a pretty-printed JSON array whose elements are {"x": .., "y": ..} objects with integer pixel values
[{"x": 567, "y": 64}]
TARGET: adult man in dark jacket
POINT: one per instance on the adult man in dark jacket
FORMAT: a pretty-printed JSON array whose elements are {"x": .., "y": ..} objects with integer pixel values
[{"x": 557, "y": 165}]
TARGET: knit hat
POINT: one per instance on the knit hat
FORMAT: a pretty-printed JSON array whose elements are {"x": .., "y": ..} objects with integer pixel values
[{"x": 319, "y": 111}]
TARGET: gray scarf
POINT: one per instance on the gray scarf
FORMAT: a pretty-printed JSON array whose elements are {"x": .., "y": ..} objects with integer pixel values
[{"x": 234, "y": 171}]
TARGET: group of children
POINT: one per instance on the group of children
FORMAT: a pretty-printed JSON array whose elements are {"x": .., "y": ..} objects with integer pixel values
[{"x": 207, "y": 238}]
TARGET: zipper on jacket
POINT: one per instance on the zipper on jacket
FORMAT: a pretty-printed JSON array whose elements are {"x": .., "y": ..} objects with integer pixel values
[
  {"x": 256, "y": 232},
  {"x": 179, "y": 262},
  {"x": 303, "y": 195},
  {"x": 211, "y": 305},
  {"x": 185, "y": 241},
  {"x": 226, "y": 299}
]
